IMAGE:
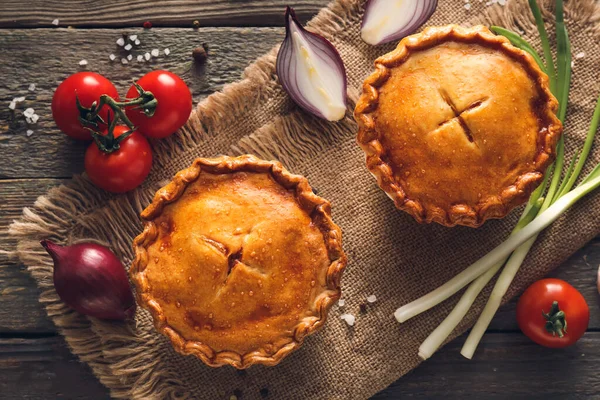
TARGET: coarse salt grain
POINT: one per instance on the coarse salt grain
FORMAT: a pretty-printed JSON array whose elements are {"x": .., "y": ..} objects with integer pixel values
[
  {"x": 154, "y": 53},
  {"x": 349, "y": 318},
  {"x": 55, "y": 22},
  {"x": 137, "y": 42},
  {"x": 19, "y": 99},
  {"x": 372, "y": 298},
  {"x": 341, "y": 302},
  {"x": 128, "y": 46},
  {"x": 147, "y": 56},
  {"x": 132, "y": 37},
  {"x": 167, "y": 52},
  {"x": 29, "y": 112},
  {"x": 140, "y": 58},
  {"x": 12, "y": 105},
  {"x": 34, "y": 118},
  {"x": 83, "y": 62},
  {"x": 124, "y": 61},
  {"x": 112, "y": 57},
  {"x": 130, "y": 57},
  {"x": 581, "y": 54},
  {"x": 121, "y": 42},
  {"x": 32, "y": 87},
  {"x": 28, "y": 120},
  {"x": 467, "y": 6},
  {"x": 29, "y": 132}
]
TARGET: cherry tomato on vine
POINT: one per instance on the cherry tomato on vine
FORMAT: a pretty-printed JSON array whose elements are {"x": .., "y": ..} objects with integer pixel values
[
  {"x": 173, "y": 107},
  {"x": 122, "y": 169},
  {"x": 553, "y": 313},
  {"x": 88, "y": 87}
]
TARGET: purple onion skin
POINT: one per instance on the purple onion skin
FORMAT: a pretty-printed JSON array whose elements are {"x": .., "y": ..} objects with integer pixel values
[
  {"x": 286, "y": 81},
  {"x": 91, "y": 279}
]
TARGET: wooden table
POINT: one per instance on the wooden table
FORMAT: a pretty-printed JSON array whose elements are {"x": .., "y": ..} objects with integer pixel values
[{"x": 34, "y": 361}]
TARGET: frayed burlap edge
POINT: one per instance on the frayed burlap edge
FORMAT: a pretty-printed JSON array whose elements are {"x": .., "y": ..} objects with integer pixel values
[{"x": 289, "y": 138}]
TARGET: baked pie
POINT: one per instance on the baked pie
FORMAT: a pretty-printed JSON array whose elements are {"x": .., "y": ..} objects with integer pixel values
[
  {"x": 458, "y": 125},
  {"x": 239, "y": 260}
]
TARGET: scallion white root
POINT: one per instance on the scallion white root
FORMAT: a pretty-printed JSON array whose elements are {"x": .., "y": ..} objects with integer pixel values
[
  {"x": 491, "y": 307},
  {"x": 441, "y": 333}
]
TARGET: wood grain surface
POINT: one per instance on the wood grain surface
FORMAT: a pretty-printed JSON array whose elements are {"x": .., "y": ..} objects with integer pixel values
[
  {"x": 510, "y": 367},
  {"x": 28, "y": 58},
  {"x": 34, "y": 361},
  {"x": 117, "y": 13}
]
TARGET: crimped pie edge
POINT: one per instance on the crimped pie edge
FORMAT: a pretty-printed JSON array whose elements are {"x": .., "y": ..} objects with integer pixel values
[{"x": 320, "y": 214}]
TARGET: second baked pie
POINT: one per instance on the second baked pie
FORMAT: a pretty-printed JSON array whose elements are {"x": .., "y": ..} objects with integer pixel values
[
  {"x": 239, "y": 260},
  {"x": 458, "y": 125}
]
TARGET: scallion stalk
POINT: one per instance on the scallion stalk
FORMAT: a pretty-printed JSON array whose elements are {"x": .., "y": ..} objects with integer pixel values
[
  {"x": 539, "y": 21},
  {"x": 498, "y": 254},
  {"x": 519, "y": 42}
]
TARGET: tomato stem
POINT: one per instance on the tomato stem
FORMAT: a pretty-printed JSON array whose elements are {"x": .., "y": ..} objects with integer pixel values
[
  {"x": 90, "y": 117},
  {"x": 556, "y": 322},
  {"x": 108, "y": 143}
]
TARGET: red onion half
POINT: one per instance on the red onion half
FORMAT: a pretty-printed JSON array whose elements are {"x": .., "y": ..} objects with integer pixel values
[
  {"x": 388, "y": 20},
  {"x": 311, "y": 71},
  {"x": 90, "y": 279}
]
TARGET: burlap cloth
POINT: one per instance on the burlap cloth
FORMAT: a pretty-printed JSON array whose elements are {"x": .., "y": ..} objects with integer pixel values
[{"x": 390, "y": 255}]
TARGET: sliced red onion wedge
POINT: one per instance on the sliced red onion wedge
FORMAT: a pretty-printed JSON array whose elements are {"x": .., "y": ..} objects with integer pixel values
[
  {"x": 311, "y": 71},
  {"x": 388, "y": 20}
]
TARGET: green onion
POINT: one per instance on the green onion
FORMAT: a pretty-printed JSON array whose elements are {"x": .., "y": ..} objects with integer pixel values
[
  {"x": 571, "y": 176},
  {"x": 539, "y": 21},
  {"x": 538, "y": 214},
  {"x": 516, "y": 259},
  {"x": 519, "y": 42},
  {"x": 498, "y": 254}
]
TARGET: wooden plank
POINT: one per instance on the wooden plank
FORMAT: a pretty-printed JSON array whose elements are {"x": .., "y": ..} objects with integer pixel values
[
  {"x": 45, "y": 57},
  {"x": 45, "y": 369},
  {"x": 20, "y": 311},
  {"x": 509, "y": 367},
  {"x": 115, "y": 13}
]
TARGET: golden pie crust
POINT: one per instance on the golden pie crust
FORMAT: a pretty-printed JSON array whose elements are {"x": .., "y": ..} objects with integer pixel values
[
  {"x": 239, "y": 260},
  {"x": 458, "y": 125}
]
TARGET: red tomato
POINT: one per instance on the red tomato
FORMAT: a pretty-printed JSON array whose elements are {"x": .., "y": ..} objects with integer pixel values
[
  {"x": 88, "y": 86},
  {"x": 539, "y": 319},
  {"x": 123, "y": 169},
  {"x": 173, "y": 109}
]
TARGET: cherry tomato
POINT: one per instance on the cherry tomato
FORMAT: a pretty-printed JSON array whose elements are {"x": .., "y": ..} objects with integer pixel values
[
  {"x": 546, "y": 306},
  {"x": 173, "y": 109},
  {"x": 123, "y": 169},
  {"x": 88, "y": 86}
]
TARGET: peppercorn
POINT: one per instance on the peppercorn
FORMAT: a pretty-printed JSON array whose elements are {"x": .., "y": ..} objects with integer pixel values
[
  {"x": 241, "y": 372},
  {"x": 199, "y": 54},
  {"x": 196, "y": 24},
  {"x": 147, "y": 25}
]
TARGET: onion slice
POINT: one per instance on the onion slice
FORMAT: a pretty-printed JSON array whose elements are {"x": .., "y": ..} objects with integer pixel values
[
  {"x": 311, "y": 71},
  {"x": 388, "y": 20}
]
